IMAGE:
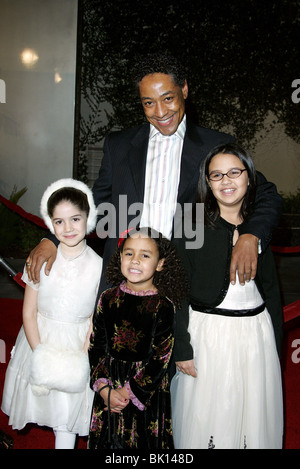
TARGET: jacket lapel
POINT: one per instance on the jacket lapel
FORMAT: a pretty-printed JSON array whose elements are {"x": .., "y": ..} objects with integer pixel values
[
  {"x": 190, "y": 157},
  {"x": 137, "y": 156}
]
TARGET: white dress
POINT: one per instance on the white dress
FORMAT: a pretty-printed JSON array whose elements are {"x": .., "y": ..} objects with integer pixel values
[
  {"x": 66, "y": 301},
  {"x": 236, "y": 400}
]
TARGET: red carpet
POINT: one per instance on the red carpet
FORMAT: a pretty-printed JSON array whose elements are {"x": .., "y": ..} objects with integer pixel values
[
  {"x": 291, "y": 385},
  {"x": 34, "y": 437}
]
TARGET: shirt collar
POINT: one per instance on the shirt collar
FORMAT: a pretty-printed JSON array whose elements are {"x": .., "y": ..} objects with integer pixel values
[{"x": 180, "y": 132}]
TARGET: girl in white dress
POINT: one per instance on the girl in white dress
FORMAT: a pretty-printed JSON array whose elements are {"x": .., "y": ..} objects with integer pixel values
[
  {"x": 47, "y": 378},
  {"x": 227, "y": 391}
]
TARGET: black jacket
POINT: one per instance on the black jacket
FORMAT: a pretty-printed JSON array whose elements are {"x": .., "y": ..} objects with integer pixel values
[
  {"x": 123, "y": 173},
  {"x": 123, "y": 169},
  {"x": 208, "y": 272}
]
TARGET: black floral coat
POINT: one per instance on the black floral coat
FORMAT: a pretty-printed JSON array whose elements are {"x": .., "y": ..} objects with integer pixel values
[{"x": 132, "y": 343}]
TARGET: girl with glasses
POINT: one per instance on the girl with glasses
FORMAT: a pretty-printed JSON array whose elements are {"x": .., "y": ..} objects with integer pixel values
[{"x": 227, "y": 391}]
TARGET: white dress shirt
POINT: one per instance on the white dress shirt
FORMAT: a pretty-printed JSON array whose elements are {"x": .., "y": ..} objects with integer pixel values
[{"x": 162, "y": 179}]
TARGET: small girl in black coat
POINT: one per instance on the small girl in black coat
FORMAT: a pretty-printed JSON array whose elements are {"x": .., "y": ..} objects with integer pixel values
[{"x": 132, "y": 343}]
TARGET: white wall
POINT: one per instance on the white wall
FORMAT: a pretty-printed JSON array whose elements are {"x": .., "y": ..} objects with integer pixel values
[{"x": 37, "y": 117}]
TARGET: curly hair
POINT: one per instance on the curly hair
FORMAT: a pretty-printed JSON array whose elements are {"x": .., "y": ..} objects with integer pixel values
[
  {"x": 170, "y": 282},
  {"x": 159, "y": 62}
]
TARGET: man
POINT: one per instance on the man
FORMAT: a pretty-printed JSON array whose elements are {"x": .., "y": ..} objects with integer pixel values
[{"x": 157, "y": 164}]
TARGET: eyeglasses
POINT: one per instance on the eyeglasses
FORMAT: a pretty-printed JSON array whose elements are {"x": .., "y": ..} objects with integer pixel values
[{"x": 232, "y": 174}]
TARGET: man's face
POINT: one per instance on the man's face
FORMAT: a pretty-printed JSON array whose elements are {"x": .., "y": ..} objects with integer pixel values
[{"x": 163, "y": 102}]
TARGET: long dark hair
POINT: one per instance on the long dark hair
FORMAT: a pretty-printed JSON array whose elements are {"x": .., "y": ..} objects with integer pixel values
[
  {"x": 205, "y": 195},
  {"x": 170, "y": 282},
  {"x": 68, "y": 194}
]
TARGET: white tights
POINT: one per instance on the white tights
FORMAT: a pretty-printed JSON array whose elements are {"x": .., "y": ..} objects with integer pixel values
[{"x": 63, "y": 438}]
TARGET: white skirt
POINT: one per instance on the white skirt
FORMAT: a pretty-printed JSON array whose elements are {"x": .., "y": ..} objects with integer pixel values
[
  {"x": 71, "y": 410},
  {"x": 236, "y": 400}
]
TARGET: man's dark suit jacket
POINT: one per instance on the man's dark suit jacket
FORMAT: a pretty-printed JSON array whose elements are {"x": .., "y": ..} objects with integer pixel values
[{"x": 123, "y": 172}]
